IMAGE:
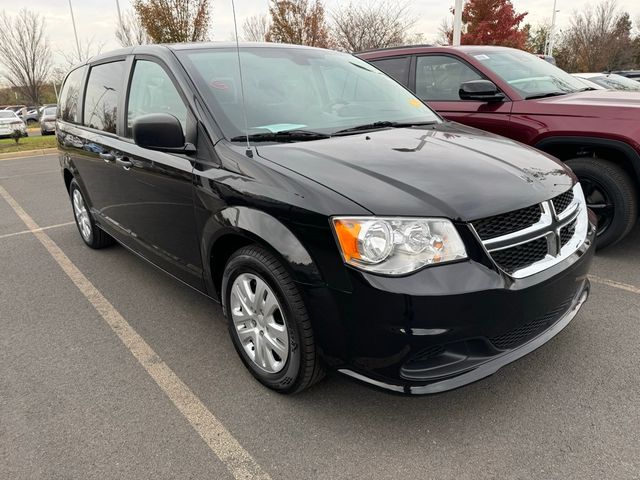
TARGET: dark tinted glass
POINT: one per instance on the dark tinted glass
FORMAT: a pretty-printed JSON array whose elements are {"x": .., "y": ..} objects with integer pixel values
[
  {"x": 152, "y": 91},
  {"x": 101, "y": 99},
  {"x": 438, "y": 77},
  {"x": 70, "y": 97},
  {"x": 397, "y": 68}
]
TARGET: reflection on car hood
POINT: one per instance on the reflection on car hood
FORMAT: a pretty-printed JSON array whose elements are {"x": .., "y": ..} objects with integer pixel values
[
  {"x": 597, "y": 103},
  {"x": 444, "y": 170}
]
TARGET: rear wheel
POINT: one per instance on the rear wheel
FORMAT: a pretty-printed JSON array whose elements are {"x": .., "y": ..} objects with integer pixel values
[
  {"x": 268, "y": 321},
  {"x": 92, "y": 235},
  {"x": 611, "y": 194}
]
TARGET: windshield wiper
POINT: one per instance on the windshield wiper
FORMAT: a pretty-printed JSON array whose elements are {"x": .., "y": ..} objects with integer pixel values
[
  {"x": 545, "y": 95},
  {"x": 284, "y": 136},
  {"x": 381, "y": 124}
]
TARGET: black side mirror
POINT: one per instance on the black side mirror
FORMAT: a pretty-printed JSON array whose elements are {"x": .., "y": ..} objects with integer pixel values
[
  {"x": 162, "y": 132},
  {"x": 481, "y": 91}
]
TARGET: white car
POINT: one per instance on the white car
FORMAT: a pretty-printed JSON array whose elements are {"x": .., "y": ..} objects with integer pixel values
[
  {"x": 610, "y": 81},
  {"x": 9, "y": 122}
]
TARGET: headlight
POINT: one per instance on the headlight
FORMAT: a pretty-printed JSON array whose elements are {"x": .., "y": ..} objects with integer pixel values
[{"x": 395, "y": 246}]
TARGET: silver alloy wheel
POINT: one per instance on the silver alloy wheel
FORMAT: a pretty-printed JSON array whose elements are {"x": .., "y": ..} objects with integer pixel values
[
  {"x": 82, "y": 216},
  {"x": 259, "y": 322}
]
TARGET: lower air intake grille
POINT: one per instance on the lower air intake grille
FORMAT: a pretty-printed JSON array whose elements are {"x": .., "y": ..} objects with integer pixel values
[
  {"x": 520, "y": 256},
  {"x": 522, "y": 334}
]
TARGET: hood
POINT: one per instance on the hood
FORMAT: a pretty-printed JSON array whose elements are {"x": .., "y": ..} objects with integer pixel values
[
  {"x": 597, "y": 103},
  {"x": 48, "y": 118},
  {"x": 444, "y": 170}
]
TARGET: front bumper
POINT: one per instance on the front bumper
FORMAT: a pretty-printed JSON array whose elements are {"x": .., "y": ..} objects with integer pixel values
[{"x": 447, "y": 326}]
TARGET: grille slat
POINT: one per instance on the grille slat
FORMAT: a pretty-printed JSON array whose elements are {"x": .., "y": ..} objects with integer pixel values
[
  {"x": 506, "y": 223},
  {"x": 521, "y": 256},
  {"x": 561, "y": 202}
]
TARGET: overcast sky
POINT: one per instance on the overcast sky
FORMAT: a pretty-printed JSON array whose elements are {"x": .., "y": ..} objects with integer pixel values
[{"x": 97, "y": 18}]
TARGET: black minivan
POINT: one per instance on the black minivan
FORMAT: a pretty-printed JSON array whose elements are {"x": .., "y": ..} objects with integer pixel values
[{"x": 339, "y": 221}]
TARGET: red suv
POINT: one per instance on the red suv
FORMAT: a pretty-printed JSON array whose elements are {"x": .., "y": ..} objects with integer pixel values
[{"x": 512, "y": 93}]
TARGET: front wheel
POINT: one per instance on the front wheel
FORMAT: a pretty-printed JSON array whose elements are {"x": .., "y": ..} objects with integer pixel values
[
  {"x": 92, "y": 235},
  {"x": 268, "y": 321},
  {"x": 611, "y": 194}
]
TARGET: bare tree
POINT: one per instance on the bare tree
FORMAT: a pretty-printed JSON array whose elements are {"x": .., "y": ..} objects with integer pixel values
[
  {"x": 371, "y": 24},
  {"x": 255, "y": 29},
  {"x": 89, "y": 47},
  {"x": 131, "y": 31},
  {"x": 169, "y": 21},
  {"x": 596, "y": 40},
  {"x": 24, "y": 53},
  {"x": 301, "y": 22}
]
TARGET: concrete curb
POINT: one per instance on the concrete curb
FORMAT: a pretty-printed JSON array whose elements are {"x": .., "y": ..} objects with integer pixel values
[{"x": 28, "y": 153}]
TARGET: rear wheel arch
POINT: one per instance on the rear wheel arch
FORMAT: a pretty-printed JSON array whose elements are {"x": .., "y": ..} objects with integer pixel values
[{"x": 68, "y": 177}]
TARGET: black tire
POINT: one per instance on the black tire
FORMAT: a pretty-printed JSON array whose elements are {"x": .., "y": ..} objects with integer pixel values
[
  {"x": 303, "y": 366},
  {"x": 611, "y": 194},
  {"x": 97, "y": 238}
]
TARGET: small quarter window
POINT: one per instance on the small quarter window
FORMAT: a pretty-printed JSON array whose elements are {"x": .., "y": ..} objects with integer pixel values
[
  {"x": 70, "y": 97},
  {"x": 101, "y": 99}
]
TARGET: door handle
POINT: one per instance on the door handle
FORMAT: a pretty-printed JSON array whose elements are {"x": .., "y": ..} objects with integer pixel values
[
  {"x": 107, "y": 157},
  {"x": 124, "y": 162}
]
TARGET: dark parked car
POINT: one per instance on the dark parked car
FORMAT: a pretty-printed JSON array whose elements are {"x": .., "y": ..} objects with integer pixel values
[
  {"x": 339, "y": 221},
  {"x": 518, "y": 95},
  {"x": 48, "y": 121}
]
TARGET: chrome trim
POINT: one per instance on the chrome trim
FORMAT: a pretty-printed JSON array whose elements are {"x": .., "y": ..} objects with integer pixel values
[{"x": 549, "y": 226}]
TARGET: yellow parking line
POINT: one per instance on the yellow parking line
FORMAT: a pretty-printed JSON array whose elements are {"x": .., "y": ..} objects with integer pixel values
[
  {"x": 22, "y": 232},
  {"x": 221, "y": 442},
  {"x": 614, "y": 284}
]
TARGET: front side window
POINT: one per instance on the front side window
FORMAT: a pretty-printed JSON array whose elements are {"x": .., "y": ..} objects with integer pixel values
[
  {"x": 70, "y": 97},
  {"x": 298, "y": 88},
  {"x": 438, "y": 77},
  {"x": 152, "y": 91},
  {"x": 101, "y": 98}
]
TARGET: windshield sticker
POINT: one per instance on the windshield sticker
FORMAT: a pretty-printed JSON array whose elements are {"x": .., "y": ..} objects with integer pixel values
[
  {"x": 482, "y": 56},
  {"x": 414, "y": 102},
  {"x": 281, "y": 127}
]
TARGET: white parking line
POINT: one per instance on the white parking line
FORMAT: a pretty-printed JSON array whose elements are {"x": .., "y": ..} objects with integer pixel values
[
  {"x": 22, "y": 232},
  {"x": 30, "y": 174},
  {"x": 614, "y": 284},
  {"x": 237, "y": 460}
]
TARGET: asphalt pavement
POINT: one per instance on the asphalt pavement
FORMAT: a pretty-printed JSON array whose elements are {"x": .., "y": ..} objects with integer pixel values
[{"x": 111, "y": 369}]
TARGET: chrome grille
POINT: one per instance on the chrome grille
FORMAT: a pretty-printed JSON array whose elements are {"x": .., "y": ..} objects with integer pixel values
[
  {"x": 546, "y": 234},
  {"x": 499, "y": 225},
  {"x": 520, "y": 256},
  {"x": 561, "y": 202}
]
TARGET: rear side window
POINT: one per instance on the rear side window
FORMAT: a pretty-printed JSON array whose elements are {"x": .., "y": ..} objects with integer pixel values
[
  {"x": 397, "y": 68},
  {"x": 70, "y": 97},
  {"x": 101, "y": 97},
  {"x": 152, "y": 91}
]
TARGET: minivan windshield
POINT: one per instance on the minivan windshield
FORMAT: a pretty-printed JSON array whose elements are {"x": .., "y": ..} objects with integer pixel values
[
  {"x": 531, "y": 76},
  {"x": 302, "y": 91}
]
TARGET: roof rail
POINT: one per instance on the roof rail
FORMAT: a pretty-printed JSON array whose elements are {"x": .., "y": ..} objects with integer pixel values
[{"x": 398, "y": 47}]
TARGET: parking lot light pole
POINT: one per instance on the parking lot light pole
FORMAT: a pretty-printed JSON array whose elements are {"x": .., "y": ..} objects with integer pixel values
[
  {"x": 457, "y": 22},
  {"x": 75, "y": 31}
]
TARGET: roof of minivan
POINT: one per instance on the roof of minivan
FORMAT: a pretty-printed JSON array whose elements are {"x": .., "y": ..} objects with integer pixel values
[{"x": 159, "y": 47}]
